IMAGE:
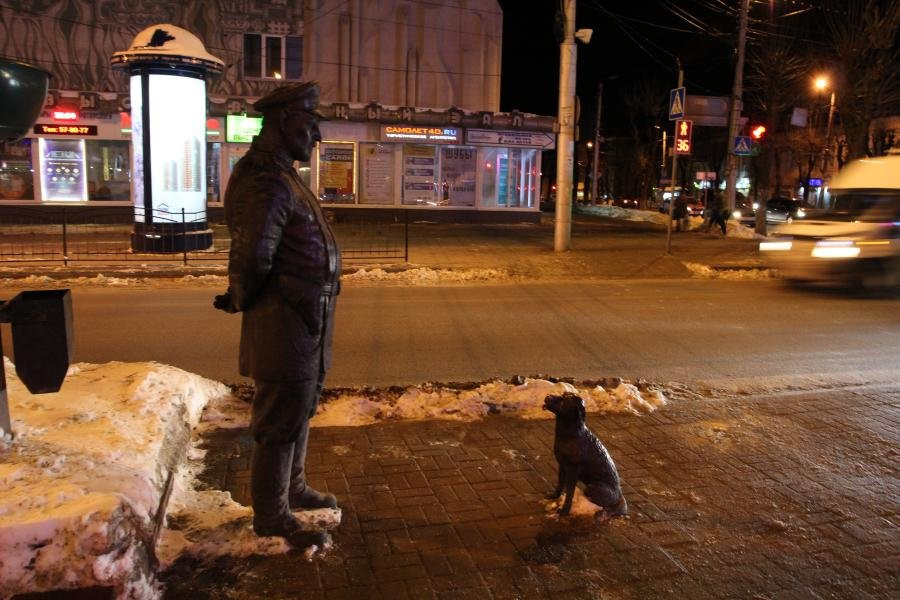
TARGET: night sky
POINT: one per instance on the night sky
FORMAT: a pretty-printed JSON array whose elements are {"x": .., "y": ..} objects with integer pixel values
[{"x": 632, "y": 40}]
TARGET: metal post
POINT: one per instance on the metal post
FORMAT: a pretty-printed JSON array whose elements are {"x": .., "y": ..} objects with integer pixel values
[
  {"x": 674, "y": 175},
  {"x": 184, "y": 236},
  {"x": 734, "y": 113},
  {"x": 565, "y": 145},
  {"x": 595, "y": 167},
  {"x": 145, "y": 145},
  {"x": 406, "y": 235},
  {"x": 5, "y": 423},
  {"x": 65, "y": 239}
]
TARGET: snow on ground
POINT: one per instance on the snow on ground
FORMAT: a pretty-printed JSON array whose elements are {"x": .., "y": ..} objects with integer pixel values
[
  {"x": 629, "y": 214},
  {"x": 707, "y": 272},
  {"x": 423, "y": 276},
  {"x": 359, "y": 407},
  {"x": 732, "y": 228},
  {"x": 82, "y": 479},
  {"x": 738, "y": 230},
  {"x": 363, "y": 276}
]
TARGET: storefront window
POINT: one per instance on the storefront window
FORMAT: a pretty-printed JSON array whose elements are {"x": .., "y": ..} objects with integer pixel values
[
  {"x": 213, "y": 171},
  {"x": 336, "y": 173},
  {"x": 376, "y": 173},
  {"x": 458, "y": 176},
  {"x": 16, "y": 175},
  {"x": 108, "y": 170},
  {"x": 420, "y": 175},
  {"x": 510, "y": 177}
]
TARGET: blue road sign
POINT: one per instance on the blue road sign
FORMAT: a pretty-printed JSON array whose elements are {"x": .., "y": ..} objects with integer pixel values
[
  {"x": 676, "y": 104},
  {"x": 743, "y": 145}
]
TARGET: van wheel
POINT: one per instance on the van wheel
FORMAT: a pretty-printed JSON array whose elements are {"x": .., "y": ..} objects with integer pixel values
[{"x": 880, "y": 275}]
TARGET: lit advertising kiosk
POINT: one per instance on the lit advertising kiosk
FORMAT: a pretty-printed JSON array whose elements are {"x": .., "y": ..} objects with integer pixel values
[{"x": 168, "y": 68}]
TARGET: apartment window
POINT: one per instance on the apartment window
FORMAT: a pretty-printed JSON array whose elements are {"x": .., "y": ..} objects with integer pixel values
[{"x": 273, "y": 56}]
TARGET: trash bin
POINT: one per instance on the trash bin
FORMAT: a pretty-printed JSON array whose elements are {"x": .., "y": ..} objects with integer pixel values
[{"x": 42, "y": 337}]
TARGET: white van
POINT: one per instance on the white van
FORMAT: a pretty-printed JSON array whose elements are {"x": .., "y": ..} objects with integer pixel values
[{"x": 856, "y": 242}]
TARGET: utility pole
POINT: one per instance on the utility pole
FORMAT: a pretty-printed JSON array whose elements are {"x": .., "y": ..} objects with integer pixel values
[
  {"x": 595, "y": 170},
  {"x": 674, "y": 175},
  {"x": 565, "y": 141},
  {"x": 826, "y": 162},
  {"x": 734, "y": 115}
]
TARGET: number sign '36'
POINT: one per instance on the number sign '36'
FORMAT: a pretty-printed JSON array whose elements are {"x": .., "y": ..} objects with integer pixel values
[{"x": 684, "y": 128}]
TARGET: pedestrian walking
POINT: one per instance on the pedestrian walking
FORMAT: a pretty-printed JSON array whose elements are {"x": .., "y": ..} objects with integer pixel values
[
  {"x": 283, "y": 275},
  {"x": 679, "y": 213},
  {"x": 718, "y": 212}
]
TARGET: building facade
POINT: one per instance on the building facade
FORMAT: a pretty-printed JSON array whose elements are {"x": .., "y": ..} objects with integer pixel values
[{"x": 412, "y": 87}]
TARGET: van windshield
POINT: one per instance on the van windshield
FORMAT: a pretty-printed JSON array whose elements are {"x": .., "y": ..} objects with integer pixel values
[{"x": 868, "y": 208}]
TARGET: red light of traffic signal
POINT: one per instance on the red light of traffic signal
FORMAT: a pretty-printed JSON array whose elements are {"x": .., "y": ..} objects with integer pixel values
[{"x": 758, "y": 132}]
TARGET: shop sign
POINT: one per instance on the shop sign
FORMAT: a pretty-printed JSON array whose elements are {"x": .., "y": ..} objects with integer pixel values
[
  {"x": 76, "y": 130},
  {"x": 65, "y": 115},
  {"x": 414, "y": 133},
  {"x": 242, "y": 129},
  {"x": 529, "y": 139}
]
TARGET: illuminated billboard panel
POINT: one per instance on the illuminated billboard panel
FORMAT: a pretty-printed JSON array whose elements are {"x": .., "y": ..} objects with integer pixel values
[
  {"x": 62, "y": 170},
  {"x": 136, "y": 122},
  {"x": 177, "y": 146}
]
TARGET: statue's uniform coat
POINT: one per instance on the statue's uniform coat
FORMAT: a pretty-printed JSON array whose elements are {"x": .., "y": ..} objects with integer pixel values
[{"x": 283, "y": 270}]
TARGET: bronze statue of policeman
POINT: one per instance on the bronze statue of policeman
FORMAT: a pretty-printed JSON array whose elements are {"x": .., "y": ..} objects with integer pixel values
[{"x": 283, "y": 275}]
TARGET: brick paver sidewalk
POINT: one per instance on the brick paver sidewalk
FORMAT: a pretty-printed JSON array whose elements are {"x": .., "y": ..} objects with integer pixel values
[{"x": 794, "y": 496}]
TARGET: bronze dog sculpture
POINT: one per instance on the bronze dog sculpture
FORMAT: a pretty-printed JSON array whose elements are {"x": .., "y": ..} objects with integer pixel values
[{"x": 582, "y": 457}]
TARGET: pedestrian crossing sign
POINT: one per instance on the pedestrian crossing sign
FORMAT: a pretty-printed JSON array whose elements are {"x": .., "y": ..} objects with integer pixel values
[
  {"x": 676, "y": 103},
  {"x": 743, "y": 145}
]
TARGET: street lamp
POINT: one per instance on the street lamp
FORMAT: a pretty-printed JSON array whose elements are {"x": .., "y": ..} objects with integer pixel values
[{"x": 822, "y": 84}]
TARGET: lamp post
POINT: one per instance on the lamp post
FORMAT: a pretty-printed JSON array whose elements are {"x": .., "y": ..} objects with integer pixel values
[{"x": 821, "y": 85}]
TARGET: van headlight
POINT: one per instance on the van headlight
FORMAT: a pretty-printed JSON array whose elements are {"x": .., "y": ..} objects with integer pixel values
[
  {"x": 776, "y": 245},
  {"x": 835, "y": 249},
  {"x": 801, "y": 213},
  {"x": 736, "y": 214}
]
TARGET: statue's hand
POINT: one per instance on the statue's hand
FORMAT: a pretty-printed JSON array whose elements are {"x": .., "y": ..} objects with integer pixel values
[{"x": 223, "y": 302}]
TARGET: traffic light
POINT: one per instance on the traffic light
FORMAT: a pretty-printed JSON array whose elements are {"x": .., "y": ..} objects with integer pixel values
[{"x": 758, "y": 132}]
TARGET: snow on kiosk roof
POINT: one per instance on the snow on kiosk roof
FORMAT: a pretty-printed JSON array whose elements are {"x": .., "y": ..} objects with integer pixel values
[
  {"x": 878, "y": 173},
  {"x": 167, "y": 43}
]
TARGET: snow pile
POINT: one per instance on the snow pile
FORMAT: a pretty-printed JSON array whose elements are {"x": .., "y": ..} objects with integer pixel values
[
  {"x": 707, "y": 272},
  {"x": 423, "y": 276},
  {"x": 99, "y": 280},
  {"x": 738, "y": 230},
  {"x": 524, "y": 400},
  {"x": 629, "y": 214},
  {"x": 206, "y": 524},
  {"x": 402, "y": 276},
  {"x": 82, "y": 479}
]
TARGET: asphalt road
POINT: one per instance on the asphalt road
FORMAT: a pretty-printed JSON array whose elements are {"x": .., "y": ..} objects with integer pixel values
[{"x": 661, "y": 330}]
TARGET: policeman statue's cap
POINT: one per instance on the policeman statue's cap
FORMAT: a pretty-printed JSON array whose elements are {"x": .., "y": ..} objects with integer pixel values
[{"x": 293, "y": 96}]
